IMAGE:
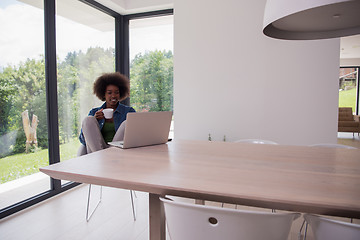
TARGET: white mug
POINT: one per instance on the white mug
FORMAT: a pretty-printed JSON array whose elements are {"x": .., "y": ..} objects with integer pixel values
[{"x": 108, "y": 113}]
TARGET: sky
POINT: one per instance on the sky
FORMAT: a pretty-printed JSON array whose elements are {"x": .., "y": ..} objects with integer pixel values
[{"x": 22, "y": 35}]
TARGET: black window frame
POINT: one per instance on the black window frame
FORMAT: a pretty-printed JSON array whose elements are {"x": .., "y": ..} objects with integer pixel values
[
  {"x": 357, "y": 105},
  {"x": 121, "y": 65}
]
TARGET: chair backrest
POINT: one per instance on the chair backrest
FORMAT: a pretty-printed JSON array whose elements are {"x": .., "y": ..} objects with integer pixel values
[
  {"x": 328, "y": 229},
  {"x": 192, "y": 221},
  {"x": 332, "y": 145},
  {"x": 256, "y": 141},
  {"x": 346, "y": 114}
]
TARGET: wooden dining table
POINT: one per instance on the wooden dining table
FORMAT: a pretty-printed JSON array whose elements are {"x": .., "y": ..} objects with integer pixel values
[{"x": 294, "y": 178}]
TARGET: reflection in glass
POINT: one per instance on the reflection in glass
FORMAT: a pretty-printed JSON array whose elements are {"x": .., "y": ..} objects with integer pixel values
[{"x": 85, "y": 47}]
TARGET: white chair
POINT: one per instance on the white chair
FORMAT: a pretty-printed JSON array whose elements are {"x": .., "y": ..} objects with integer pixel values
[
  {"x": 328, "y": 229},
  {"x": 256, "y": 141},
  {"x": 82, "y": 151},
  {"x": 192, "y": 221},
  {"x": 325, "y": 145}
]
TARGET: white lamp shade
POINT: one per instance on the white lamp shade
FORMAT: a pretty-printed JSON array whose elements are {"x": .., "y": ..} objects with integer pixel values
[{"x": 311, "y": 19}]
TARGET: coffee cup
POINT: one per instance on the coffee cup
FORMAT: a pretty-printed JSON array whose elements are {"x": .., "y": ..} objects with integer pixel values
[{"x": 108, "y": 113}]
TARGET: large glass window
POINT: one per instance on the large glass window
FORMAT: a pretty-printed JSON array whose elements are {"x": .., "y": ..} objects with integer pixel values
[
  {"x": 348, "y": 87},
  {"x": 23, "y": 116},
  {"x": 151, "y": 63},
  {"x": 85, "y": 49}
]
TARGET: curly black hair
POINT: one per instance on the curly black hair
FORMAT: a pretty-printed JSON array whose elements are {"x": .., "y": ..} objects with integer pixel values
[{"x": 117, "y": 79}]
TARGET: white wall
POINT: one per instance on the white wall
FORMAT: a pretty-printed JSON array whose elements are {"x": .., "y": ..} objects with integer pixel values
[
  {"x": 349, "y": 62},
  {"x": 230, "y": 79}
]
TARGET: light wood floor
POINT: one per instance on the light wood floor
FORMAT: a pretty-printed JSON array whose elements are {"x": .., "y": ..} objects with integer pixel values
[
  {"x": 349, "y": 139},
  {"x": 63, "y": 216}
]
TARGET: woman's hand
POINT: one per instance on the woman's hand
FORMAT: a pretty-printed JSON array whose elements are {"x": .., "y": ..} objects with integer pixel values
[{"x": 99, "y": 114}]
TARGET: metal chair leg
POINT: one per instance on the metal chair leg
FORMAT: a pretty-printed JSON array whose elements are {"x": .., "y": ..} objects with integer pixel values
[
  {"x": 132, "y": 203},
  {"x": 306, "y": 226},
  {"x": 305, "y": 231},
  {"x": 88, "y": 216}
]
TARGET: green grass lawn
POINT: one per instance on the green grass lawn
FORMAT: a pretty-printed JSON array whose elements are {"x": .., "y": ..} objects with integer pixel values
[
  {"x": 347, "y": 98},
  {"x": 20, "y": 165}
]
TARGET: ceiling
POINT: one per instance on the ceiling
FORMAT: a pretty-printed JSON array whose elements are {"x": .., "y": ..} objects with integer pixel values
[
  {"x": 136, "y": 6},
  {"x": 350, "y": 47}
]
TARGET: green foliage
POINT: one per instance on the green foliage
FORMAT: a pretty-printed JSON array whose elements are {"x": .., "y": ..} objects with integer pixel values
[
  {"x": 68, "y": 83},
  {"x": 20, "y": 145},
  {"x": 23, "y": 88},
  {"x": 76, "y": 75},
  {"x": 151, "y": 77},
  {"x": 7, "y": 95}
]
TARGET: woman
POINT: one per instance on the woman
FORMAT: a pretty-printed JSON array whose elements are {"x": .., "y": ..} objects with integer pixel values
[{"x": 97, "y": 131}]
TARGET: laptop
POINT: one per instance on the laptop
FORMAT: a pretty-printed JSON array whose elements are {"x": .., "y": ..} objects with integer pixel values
[{"x": 145, "y": 129}]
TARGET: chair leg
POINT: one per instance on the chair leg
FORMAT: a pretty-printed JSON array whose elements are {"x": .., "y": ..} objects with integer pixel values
[
  {"x": 304, "y": 224},
  {"x": 132, "y": 203},
  {"x": 88, "y": 216}
]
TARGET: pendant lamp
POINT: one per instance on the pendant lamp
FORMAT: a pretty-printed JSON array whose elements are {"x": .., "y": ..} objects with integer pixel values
[{"x": 311, "y": 19}]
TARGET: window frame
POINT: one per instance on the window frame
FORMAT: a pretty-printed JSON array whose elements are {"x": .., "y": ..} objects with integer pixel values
[{"x": 357, "y": 103}]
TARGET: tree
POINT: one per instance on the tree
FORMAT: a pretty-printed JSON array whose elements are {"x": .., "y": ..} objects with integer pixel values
[
  {"x": 31, "y": 96},
  {"x": 23, "y": 88},
  {"x": 76, "y": 75},
  {"x": 151, "y": 83},
  {"x": 68, "y": 84},
  {"x": 7, "y": 96}
]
